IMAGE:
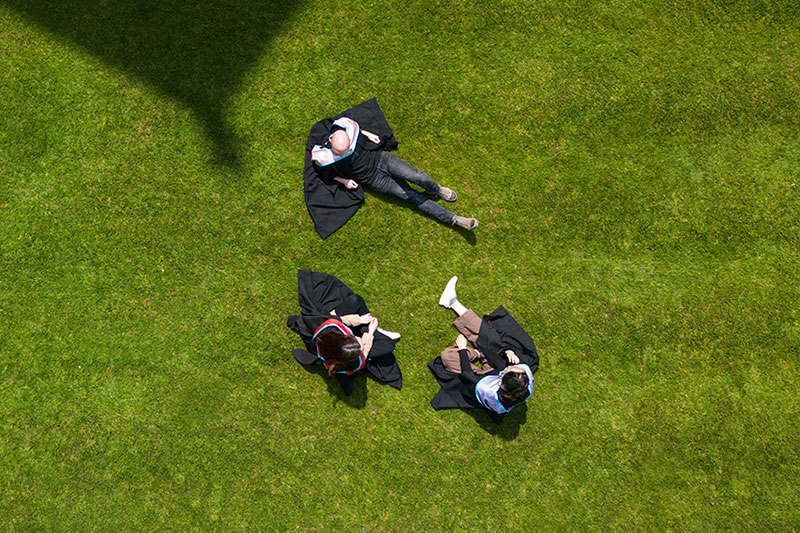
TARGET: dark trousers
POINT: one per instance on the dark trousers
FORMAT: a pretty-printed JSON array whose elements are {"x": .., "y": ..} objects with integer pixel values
[{"x": 393, "y": 176}]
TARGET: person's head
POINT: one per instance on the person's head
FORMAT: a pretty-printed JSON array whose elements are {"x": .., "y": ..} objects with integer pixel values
[
  {"x": 337, "y": 349},
  {"x": 340, "y": 143},
  {"x": 513, "y": 387}
]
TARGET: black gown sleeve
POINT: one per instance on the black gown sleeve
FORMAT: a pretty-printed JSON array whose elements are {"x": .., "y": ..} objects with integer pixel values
[
  {"x": 496, "y": 358},
  {"x": 305, "y": 326},
  {"x": 470, "y": 380},
  {"x": 467, "y": 375},
  {"x": 500, "y": 332}
]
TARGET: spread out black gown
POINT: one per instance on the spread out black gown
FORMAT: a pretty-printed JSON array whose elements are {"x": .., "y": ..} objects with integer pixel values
[
  {"x": 319, "y": 294},
  {"x": 329, "y": 203}
]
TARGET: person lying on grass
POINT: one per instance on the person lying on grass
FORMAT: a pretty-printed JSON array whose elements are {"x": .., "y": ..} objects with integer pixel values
[
  {"x": 340, "y": 333},
  {"x": 345, "y": 155},
  {"x": 496, "y": 373}
]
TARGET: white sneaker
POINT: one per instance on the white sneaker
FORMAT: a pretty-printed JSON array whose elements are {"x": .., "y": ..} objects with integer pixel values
[
  {"x": 391, "y": 334},
  {"x": 449, "y": 293}
]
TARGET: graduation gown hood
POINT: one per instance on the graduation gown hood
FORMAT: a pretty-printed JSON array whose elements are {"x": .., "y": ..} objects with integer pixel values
[{"x": 329, "y": 203}]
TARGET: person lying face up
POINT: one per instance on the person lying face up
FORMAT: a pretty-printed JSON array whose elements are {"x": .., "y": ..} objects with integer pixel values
[{"x": 345, "y": 157}]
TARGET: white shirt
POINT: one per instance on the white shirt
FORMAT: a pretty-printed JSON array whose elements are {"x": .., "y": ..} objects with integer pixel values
[{"x": 486, "y": 390}]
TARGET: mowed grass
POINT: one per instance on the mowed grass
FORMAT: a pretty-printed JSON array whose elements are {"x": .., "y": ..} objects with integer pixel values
[{"x": 634, "y": 169}]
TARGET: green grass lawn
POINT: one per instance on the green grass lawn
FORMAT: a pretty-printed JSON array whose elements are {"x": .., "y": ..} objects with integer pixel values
[{"x": 634, "y": 167}]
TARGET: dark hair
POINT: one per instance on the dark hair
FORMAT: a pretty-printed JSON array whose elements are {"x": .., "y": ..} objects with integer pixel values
[
  {"x": 337, "y": 349},
  {"x": 513, "y": 388}
]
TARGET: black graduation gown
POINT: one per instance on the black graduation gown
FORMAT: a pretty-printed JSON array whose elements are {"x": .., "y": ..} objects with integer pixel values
[
  {"x": 329, "y": 203},
  {"x": 499, "y": 332},
  {"x": 321, "y": 293}
]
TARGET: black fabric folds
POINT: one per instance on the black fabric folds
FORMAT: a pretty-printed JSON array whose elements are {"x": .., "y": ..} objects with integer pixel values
[
  {"x": 319, "y": 294},
  {"x": 499, "y": 332},
  {"x": 329, "y": 203}
]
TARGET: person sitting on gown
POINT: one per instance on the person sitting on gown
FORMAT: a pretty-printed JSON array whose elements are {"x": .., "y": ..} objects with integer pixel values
[
  {"x": 339, "y": 350},
  {"x": 340, "y": 334},
  {"x": 496, "y": 372}
]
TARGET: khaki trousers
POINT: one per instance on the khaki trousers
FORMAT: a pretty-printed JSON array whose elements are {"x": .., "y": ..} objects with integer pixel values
[{"x": 468, "y": 324}]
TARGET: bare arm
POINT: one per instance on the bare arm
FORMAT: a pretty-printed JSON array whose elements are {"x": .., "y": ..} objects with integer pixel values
[
  {"x": 356, "y": 320},
  {"x": 371, "y": 136},
  {"x": 366, "y": 342},
  {"x": 369, "y": 336}
]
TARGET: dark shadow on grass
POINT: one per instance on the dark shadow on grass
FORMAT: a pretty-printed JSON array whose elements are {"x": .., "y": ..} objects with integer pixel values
[
  {"x": 468, "y": 236},
  {"x": 196, "y": 52},
  {"x": 357, "y": 400},
  {"x": 508, "y": 429}
]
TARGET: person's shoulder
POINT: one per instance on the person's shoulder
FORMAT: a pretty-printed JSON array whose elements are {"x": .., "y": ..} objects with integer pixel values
[
  {"x": 322, "y": 156},
  {"x": 345, "y": 120}
]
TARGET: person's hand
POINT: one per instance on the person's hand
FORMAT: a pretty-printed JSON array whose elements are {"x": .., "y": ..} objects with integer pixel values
[
  {"x": 351, "y": 184},
  {"x": 371, "y": 136},
  {"x": 512, "y": 357},
  {"x": 461, "y": 342},
  {"x": 366, "y": 319},
  {"x": 373, "y": 325}
]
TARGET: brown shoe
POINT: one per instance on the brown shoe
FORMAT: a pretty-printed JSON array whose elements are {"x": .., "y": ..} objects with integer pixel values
[
  {"x": 448, "y": 195},
  {"x": 466, "y": 223}
]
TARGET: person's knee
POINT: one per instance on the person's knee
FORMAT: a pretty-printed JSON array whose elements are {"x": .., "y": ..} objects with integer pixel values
[
  {"x": 356, "y": 304},
  {"x": 403, "y": 194}
]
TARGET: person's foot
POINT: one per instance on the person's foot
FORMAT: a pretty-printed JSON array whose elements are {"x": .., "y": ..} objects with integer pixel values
[
  {"x": 447, "y": 194},
  {"x": 466, "y": 223},
  {"x": 449, "y": 293},
  {"x": 391, "y": 334}
]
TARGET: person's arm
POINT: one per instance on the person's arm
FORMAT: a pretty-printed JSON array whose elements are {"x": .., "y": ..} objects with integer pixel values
[
  {"x": 350, "y": 184},
  {"x": 467, "y": 375},
  {"x": 366, "y": 341},
  {"x": 355, "y": 320},
  {"x": 497, "y": 359},
  {"x": 371, "y": 136},
  {"x": 347, "y": 122},
  {"x": 368, "y": 337},
  {"x": 350, "y": 320}
]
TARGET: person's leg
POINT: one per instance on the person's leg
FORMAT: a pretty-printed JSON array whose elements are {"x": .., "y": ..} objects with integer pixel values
[
  {"x": 468, "y": 324},
  {"x": 449, "y": 299},
  {"x": 399, "y": 169},
  {"x": 352, "y": 305},
  {"x": 382, "y": 182},
  {"x": 452, "y": 360}
]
